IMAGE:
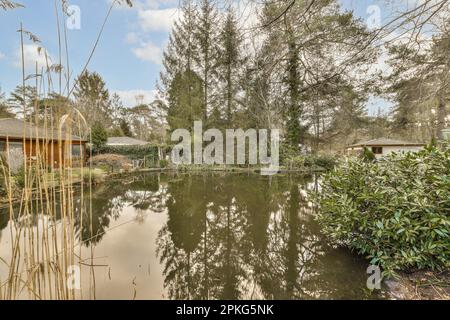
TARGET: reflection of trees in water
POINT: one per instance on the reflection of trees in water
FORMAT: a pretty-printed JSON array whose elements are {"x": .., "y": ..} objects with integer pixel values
[
  {"x": 227, "y": 236},
  {"x": 201, "y": 245},
  {"x": 145, "y": 194},
  {"x": 290, "y": 258},
  {"x": 233, "y": 237},
  {"x": 239, "y": 231},
  {"x": 142, "y": 192},
  {"x": 103, "y": 209},
  {"x": 180, "y": 238}
]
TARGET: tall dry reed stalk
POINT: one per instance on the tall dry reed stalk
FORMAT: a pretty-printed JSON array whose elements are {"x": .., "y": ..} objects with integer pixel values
[{"x": 44, "y": 245}]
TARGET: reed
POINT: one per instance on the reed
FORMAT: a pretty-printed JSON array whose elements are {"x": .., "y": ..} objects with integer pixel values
[{"x": 43, "y": 214}]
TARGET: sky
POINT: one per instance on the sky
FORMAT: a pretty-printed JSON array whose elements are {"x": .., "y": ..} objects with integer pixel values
[{"x": 128, "y": 56}]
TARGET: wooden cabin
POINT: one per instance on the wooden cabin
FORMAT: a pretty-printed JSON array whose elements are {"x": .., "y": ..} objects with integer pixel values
[{"x": 52, "y": 146}]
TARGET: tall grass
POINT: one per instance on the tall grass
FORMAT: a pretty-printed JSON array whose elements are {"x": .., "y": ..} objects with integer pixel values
[{"x": 42, "y": 233}]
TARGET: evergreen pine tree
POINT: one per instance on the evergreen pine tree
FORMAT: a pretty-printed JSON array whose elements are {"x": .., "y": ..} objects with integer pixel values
[
  {"x": 206, "y": 36},
  {"x": 231, "y": 62}
]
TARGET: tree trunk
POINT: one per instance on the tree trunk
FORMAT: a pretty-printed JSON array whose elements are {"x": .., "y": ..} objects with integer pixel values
[
  {"x": 441, "y": 114},
  {"x": 294, "y": 133}
]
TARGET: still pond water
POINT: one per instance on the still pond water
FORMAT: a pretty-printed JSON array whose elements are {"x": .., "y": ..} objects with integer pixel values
[{"x": 212, "y": 236}]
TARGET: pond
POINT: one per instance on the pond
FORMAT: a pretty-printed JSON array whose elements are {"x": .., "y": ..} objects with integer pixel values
[{"x": 208, "y": 236}]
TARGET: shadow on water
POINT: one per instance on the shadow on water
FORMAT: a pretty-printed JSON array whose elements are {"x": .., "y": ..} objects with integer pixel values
[{"x": 213, "y": 236}]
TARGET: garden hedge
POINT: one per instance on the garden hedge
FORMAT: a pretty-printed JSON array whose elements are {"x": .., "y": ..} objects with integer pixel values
[{"x": 150, "y": 152}]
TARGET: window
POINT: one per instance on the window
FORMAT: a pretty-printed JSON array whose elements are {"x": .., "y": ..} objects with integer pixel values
[
  {"x": 2, "y": 146},
  {"x": 377, "y": 150},
  {"x": 15, "y": 146},
  {"x": 15, "y": 154},
  {"x": 76, "y": 151}
]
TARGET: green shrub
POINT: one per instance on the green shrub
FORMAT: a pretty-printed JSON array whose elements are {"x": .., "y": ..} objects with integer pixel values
[
  {"x": 327, "y": 162},
  {"x": 3, "y": 169},
  {"x": 296, "y": 162},
  {"x": 367, "y": 155},
  {"x": 111, "y": 162},
  {"x": 99, "y": 134},
  {"x": 105, "y": 167},
  {"x": 311, "y": 161},
  {"x": 20, "y": 181},
  {"x": 94, "y": 176},
  {"x": 133, "y": 152},
  {"x": 2, "y": 185},
  {"x": 163, "y": 163},
  {"x": 395, "y": 211},
  {"x": 287, "y": 153},
  {"x": 19, "y": 177}
]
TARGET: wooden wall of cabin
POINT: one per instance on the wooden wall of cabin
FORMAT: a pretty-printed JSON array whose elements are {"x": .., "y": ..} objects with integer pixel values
[
  {"x": 48, "y": 150},
  {"x": 54, "y": 152}
]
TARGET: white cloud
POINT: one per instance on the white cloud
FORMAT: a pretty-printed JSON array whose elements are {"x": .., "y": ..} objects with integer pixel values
[
  {"x": 132, "y": 38},
  {"x": 32, "y": 54},
  {"x": 152, "y": 16},
  {"x": 157, "y": 20},
  {"x": 148, "y": 51},
  {"x": 2, "y": 55},
  {"x": 131, "y": 97}
]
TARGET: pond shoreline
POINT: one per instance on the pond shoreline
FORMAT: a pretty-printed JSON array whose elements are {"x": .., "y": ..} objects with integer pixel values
[
  {"x": 419, "y": 285},
  {"x": 105, "y": 176}
]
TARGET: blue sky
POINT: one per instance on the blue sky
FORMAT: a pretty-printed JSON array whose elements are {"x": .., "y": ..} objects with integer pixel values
[{"x": 129, "y": 54}]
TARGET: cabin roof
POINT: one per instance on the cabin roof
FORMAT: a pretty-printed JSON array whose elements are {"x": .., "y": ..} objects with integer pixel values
[
  {"x": 127, "y": 141},
  {"x": 14, "y": 129},
  {"x": 385, "y": 142}
]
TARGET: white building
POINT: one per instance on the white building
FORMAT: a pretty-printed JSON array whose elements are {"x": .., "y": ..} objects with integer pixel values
[
  {"x": 125, "y": 141},
  {"x": 382, "y": 147}
]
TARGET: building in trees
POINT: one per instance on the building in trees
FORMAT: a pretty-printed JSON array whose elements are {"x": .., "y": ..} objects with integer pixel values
[
  {"x": 382, "y": 147},
  {"x": 36, "y": 143}
]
